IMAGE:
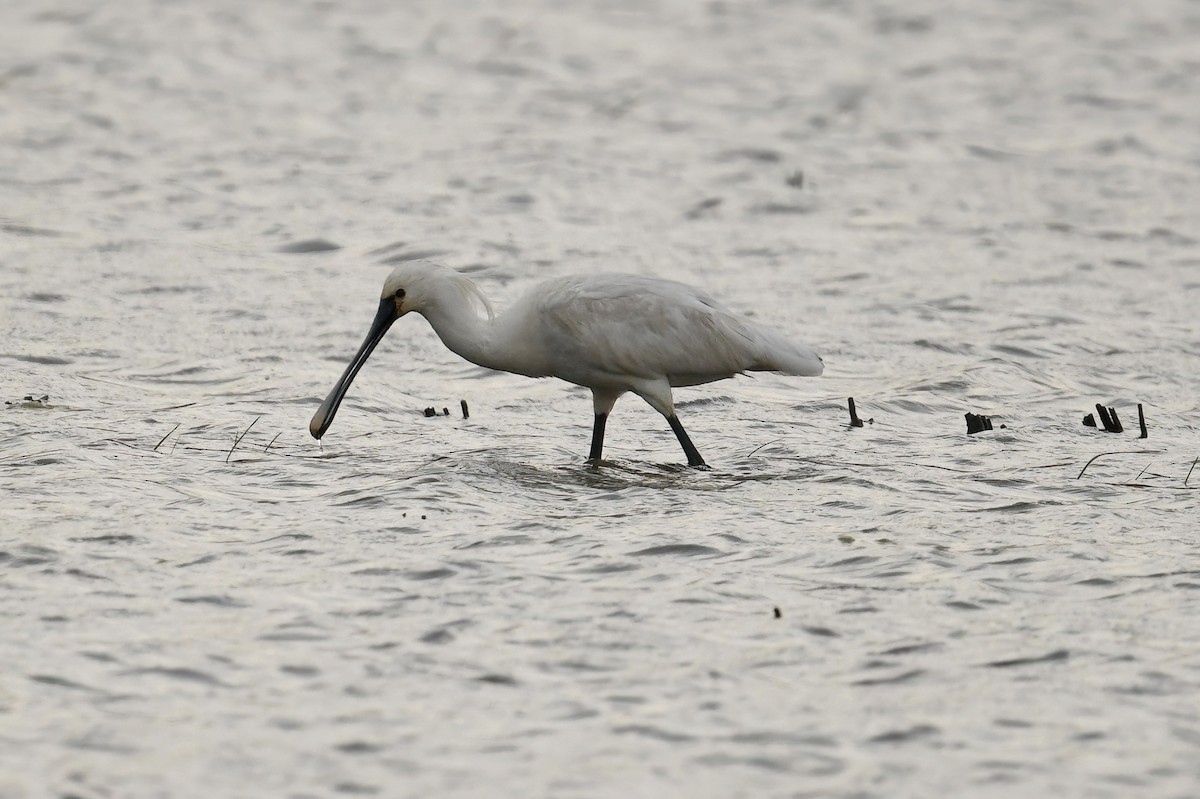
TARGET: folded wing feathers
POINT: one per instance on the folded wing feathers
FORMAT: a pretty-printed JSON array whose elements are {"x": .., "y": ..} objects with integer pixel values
[{"x": 647, "y": 328}]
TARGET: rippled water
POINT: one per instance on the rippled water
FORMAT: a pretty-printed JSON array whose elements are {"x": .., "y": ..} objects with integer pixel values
[{"x": 984, "y": 207}]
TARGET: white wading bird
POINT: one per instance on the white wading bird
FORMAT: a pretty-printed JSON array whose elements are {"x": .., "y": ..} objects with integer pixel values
[{"x": 610, "y": 333}]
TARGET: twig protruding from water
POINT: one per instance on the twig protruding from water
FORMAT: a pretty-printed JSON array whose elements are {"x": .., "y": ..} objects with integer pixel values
[
  {"x": 164, "y": 438},
  {"x": 854, "y": 420},
  {"x": 1123, "y": 452},
  {"x": 467, "y": 414},
  {"x": 238, "y": 440},
  {"x": 1142, "y": 422}
]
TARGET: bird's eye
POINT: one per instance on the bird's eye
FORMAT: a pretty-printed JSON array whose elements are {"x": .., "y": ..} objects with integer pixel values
[{"x": 399, "y": 294}]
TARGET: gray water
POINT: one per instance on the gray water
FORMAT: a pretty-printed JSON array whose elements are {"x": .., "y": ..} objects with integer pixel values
[{"x": 964, "y": 207}]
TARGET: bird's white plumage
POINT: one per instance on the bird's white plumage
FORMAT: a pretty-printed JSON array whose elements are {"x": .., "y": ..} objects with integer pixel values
[
  {"x": 611, "y": 333},
  {"x": 614, "y": 327}
]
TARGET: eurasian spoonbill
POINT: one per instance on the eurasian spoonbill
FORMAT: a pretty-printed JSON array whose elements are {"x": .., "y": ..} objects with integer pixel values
[{"x": 609, "y": 333}]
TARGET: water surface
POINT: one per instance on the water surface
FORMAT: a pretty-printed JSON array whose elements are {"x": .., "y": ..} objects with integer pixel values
[{"x": 988, "y": 208}]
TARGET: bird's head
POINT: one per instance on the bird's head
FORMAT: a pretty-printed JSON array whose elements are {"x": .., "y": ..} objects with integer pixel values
[
  {"x": 410, "y": 287},
  {"x": 417, "y": 286},
  {"x": 404, "y": 290},
  {"x": 425, "y": 287}
]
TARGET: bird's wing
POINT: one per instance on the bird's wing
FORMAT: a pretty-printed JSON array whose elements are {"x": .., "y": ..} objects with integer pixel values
[{"x": 643, "y": 328}]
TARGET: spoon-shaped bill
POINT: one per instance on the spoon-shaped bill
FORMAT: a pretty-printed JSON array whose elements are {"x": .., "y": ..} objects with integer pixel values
[{"x": 384, "y": 318}]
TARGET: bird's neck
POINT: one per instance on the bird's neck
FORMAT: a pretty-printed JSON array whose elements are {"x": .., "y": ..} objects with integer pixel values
[
  {"x": 463, "y": 331},
  {"x": 503, "y": 342}
]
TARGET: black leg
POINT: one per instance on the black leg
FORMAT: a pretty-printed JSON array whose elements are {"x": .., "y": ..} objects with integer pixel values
[
  {"x": 598, "y": 437},
  {"x": 689, "y": 449}
]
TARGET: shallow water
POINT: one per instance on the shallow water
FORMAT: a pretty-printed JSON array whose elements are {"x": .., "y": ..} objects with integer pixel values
[{"x": 989, "y": 208}]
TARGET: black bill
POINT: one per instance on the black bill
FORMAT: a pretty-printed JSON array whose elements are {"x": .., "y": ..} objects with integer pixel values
[{"x": 384, "y": 318}]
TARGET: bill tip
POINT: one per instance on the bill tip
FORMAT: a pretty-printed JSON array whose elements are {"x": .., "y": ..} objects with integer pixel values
[{"x": 316, "y": 429}]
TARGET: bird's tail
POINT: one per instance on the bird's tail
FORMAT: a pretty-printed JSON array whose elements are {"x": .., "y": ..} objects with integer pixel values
[{"x": 782, "y": 355}]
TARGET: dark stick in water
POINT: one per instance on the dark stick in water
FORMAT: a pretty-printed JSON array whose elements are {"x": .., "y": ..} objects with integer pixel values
[
  {"x": 164, "y": 438},
  {"x": 854, "y": 420},
  {"x": 238, "y": 440},
  {"x": 977, "y": 423}
]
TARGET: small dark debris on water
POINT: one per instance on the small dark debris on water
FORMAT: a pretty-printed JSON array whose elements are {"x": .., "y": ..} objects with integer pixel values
[
  {"x": 466, "y": 413},
  {"x": 1108, "y": 418},
  {"x": 778, "y": 613},
  {"x": 1142, "y": 422},
  {"x": 1089, "y": 421},
  {"x": 430, "y": 412},
  {"x": 977, "y": 423},
  {"x": 796, "y": 179},
  {"x": 30, "y": 401},
  {"x": 854, "y": 420},
  {"x": 309, "y": 245}
]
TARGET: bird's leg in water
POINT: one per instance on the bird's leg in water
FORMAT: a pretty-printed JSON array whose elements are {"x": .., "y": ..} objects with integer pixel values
[
  {"x": 598, "y": 437},
  {"x": 689, "y": 449}
]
